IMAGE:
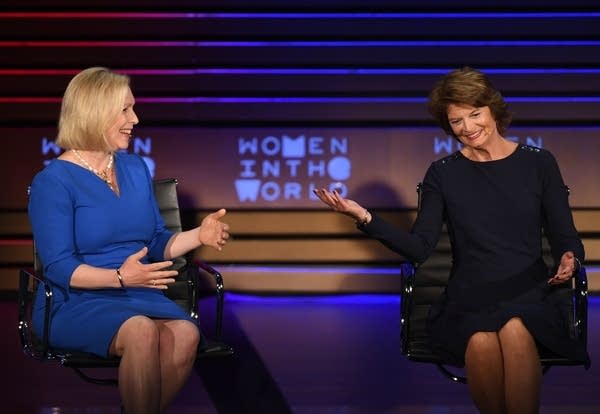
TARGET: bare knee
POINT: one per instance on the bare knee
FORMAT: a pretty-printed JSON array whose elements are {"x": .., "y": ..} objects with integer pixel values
[
  {"x": 137, "y": 334},
  {"x": 188, "y": 337},
  {"x": 517, "y": 341},
  {"x": 514, "y": 327},
  {"x": 482, "y": 347},
  {"x": 180, "y": 339},
  {"x": 515, "y": 332},
  {"x": 482, "y": 342}
]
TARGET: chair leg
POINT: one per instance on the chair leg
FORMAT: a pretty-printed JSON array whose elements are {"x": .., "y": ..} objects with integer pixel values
[
  {"x": 97, "y": 381},
  {"x": 456, "y": 378}
]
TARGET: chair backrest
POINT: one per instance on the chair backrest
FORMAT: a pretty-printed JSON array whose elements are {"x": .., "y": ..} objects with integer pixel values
[
  {"x": 421, "y": 294},
  {"x": 424, "y": 284},
  {"x": 182, "y": 291},
  {"x": 165, "y": 192}
]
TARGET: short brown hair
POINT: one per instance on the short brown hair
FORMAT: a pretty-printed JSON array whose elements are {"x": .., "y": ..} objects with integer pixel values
[
  {"x": 467, "y": 86},
  {"x": 91, "y": 102}
]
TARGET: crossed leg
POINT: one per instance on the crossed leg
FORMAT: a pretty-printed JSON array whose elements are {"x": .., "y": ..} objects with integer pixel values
[
  {"x": 504, "y": 371},
  {"x": 156, "y": 359}
]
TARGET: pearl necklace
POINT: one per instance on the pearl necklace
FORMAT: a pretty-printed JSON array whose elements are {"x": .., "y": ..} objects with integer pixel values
[{"x": 105, "y": 175}]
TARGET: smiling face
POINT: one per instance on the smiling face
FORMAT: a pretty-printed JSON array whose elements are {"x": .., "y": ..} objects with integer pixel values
[
  {"x": 474, "y": 127},
  {"x": 119, "y": 133},
  {"x": 467, "y": 87}
]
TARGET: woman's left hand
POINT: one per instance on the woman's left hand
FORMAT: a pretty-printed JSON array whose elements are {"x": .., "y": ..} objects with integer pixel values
[
  {"x": 566, "y": 269},
  {"x": 212, "y": 231}
]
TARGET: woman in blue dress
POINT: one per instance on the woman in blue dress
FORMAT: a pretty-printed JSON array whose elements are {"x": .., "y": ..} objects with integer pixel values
[
  {"x": 104, "y": 246},
  {"x": 495, "y": 196}
]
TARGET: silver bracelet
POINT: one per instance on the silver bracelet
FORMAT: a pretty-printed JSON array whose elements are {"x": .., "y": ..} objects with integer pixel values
[
  {"x": 577, "y": 265},
  {"x": 120, "y": 277}
]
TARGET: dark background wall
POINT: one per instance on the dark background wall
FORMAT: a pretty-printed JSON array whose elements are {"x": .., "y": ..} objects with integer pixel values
[{"x": 229, "y": 92}]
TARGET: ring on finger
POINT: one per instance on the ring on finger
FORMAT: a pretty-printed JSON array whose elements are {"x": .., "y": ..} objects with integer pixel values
[{"x": 153, "y": 282}]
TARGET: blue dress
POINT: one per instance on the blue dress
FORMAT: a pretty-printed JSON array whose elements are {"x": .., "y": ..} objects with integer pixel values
[
  {"x": 77, "y": 219},
  {"x": 494, "y": 212}
]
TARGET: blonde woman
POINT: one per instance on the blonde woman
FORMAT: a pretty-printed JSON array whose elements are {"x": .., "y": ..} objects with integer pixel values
[{"x": 104, "y": 246}]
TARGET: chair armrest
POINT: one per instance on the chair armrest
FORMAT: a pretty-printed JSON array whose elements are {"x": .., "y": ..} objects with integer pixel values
[
  {"x": 212, "y": 271},
  {"x": 220, "y": 291},
  {"x": 580, "y": 303},
  {"x": 25, "y": 305},
  {"x": 407, "y": 280}
]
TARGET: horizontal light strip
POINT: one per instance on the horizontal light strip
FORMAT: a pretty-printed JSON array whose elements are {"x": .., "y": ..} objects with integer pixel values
[
  {"x": 333, "y": 299},
  {"x": 554, "y": 99},
  {"x": 286, "y": 99},
  {"x": 395, "y": 271},
  {"x": 302, "y": 99},
  {"x": 592, "y": 269},
  {"x": 211, "y": 99},
  {"x": 416, "y": 16},
  {"x": 29, "y": 99},
  {"x": 313, "y": 269},
  {"x": 369, "y": 299},
  {"x": 368, "y": 43},
  {"x": 303, "y": 71},
  {"x": 350, "y": 99}
]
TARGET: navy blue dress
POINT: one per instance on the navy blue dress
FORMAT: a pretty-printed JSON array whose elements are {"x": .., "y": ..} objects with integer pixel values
[
  {"x": 77, "y": 219},
  {"x": 494, "y": 212}
]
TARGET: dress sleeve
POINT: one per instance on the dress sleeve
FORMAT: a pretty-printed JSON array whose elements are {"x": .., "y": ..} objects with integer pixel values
[
  {"x": 557, "y": 216},
  {"x": 417, "y": 244},
  {"x": 51, "y": 213}
]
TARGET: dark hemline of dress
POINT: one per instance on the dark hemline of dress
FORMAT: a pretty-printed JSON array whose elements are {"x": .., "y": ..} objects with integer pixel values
[{"x": 526, "y": 295}]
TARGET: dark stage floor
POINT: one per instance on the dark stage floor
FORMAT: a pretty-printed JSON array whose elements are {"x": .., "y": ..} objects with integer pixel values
[{"x": 322, "y": 355}]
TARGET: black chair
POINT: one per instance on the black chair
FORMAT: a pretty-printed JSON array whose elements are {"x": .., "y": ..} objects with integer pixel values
[
  {"x": 186, "y": 291},
  {"x": 423, "y": 283}
]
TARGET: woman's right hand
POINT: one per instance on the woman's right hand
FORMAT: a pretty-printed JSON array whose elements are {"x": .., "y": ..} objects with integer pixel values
[
  {"x": 138, "y": 274},
  {"x": 342, "y": 205}
]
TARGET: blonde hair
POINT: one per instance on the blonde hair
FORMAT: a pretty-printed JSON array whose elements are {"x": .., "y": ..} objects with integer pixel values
[
  {"x": 471, "y": 87},
  {"x": 92, "y": 100}
]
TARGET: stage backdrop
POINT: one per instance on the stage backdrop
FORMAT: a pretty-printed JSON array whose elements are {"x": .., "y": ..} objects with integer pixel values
[{"x": 261, "y": 168}]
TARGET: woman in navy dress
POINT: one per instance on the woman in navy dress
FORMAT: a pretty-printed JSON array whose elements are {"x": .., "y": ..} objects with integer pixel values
[
  {"x": 495, "y": 196},
  {"x": 104, "y": 246}
]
